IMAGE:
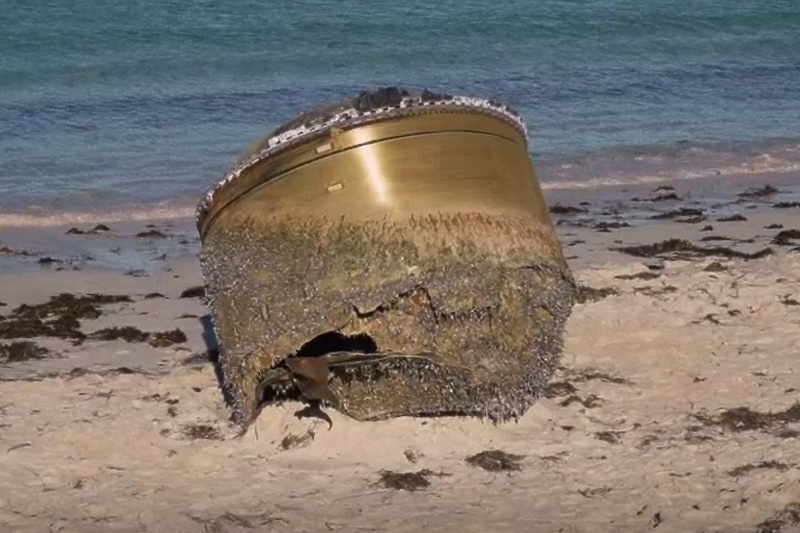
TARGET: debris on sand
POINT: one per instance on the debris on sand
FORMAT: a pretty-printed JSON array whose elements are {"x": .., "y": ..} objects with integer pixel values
[
  {"x": 759, "y": 192},
  {"x": 746, "y": 419},
  {"x": 605, "y": 226},
  {"x": 410, "y": 481},
  {"x": 668, "y": 197},
  {"x": 10, "y": 251},
  {"x": 588, "y": 294},
  {"x": 566, "y": 210},
  {"x": 64, "y": 327},
  {"x": 166, "y": 338},
  {"x": 151, "y": 234},
  {"x": 557, "y": 389},
  {"x": 161, "y": 339},
  {"x": 682, "y": 212},
  {"x": 126, "y": 333},
  {"x": 680, "y": 248},
  {"x": 496, "y": 461},
  {"x": 789, "y": 516},
  {"x": 785, "y": 237},
  {"x": 292, "y": 441},
  {"x": 58, "y": 317},
  {"x": 194, "y": 292},
  {"x": 66, "y": 304},
  {"x": 611, "y": 437},
  {"x": 733, "y": 218},
  {"x": 715, "y": 267},
  {"x": 746, "y": 469},
  {"x": 201, "y": 432},
  {"x": 646, "y": 275},
  {"x": 151, "y": 295},
  {"x": 21, "y": 351},
  {"x": 786, "y": 205},
  {"x": 100, "y": 228}
]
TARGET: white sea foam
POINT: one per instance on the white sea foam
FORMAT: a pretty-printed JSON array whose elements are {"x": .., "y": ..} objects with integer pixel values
[{"x": 43, "y": 219}]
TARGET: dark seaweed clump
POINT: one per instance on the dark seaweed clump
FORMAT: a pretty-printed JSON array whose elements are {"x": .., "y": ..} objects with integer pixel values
[
  {"x": 132, "y": 334},
  {"x": 684, "y": 248},
  {"x": 759, "y": 192},
  {"x": 746, "y": 419},
  {"x": 66, "y": 304},
  {"x": 789, "y": 516},
  {"x": 194, "y": 292},
  {"x": 682, "y": 212},
  {"x": 94, "y": 231},
  {"x": 716, "y": 267},
  {"x": 566, "y": 210},
  {"x": 58, "y": 317},
  {"x": 785, "y": 205},
  {"x": 785, "y": 237},
  {"x": 646, "y": 275},
  {"x": 126, "y": 333},
  {"x": 496, "y": 461},
  {"x": 733, "y": 218},
  {"x": 166, "y": 338},
  {"x": 410, "y": 481},
  {"x": 668, "y": 197},
  {"x": 587, "y": 294},
  {"x": 151, "y": 295},
  {"x": 201, "y": 432},
  {"x": 151, "y": 234},
  {"x": 607, "y": 226},
  {"x": 21, "y": 351},
  {"x": 746, "y": 469}
]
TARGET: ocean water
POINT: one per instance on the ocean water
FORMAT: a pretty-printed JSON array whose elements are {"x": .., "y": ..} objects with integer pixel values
[{"x": 136, "y": 107}]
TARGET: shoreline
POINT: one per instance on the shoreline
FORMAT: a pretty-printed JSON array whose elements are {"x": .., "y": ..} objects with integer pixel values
[{"x": 141, "y": 247}]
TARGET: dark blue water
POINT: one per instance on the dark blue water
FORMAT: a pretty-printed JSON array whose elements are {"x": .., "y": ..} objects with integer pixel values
[{"x": 124, "y": 105}]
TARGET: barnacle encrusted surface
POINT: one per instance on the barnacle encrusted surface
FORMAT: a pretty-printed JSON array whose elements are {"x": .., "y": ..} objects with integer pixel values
[{"x": 474, "y": 304}]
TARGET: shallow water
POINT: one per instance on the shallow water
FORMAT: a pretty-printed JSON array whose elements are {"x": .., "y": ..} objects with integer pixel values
[{"x": 134, "y": 108}]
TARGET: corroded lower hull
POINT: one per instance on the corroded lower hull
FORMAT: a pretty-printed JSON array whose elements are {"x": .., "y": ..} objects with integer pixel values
[{"x": 412, "y": 256}]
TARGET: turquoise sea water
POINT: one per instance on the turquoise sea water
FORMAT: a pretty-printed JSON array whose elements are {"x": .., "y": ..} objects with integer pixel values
[{"x": 127, "y": 105}]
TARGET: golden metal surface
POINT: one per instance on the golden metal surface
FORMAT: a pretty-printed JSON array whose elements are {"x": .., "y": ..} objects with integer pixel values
[
  {"x": 435, "y": 163},
  {"x": 425, "y": 235}
]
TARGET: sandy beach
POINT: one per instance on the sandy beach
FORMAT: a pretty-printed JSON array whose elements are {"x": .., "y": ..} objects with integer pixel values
[{"x": 676, "y": 408}]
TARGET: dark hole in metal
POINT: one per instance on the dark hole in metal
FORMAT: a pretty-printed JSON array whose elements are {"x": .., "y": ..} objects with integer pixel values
[
  {"x": 333, "y": 341},
  {"x": 321, "y": 345}
]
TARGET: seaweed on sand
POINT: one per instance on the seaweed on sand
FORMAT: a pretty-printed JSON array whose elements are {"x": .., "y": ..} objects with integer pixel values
[
  {"x": 201, "y": 432},
  {"x": 746, "y": 419},
  {"x": 21, "y": 351},
  {"x": 58, "y": 317},
  {"x": 410, "y": 481},
  {"x": 496, "y": 461},
  {"x": 785, "y": 237},
  {"x": 194, "y": 292},
  {"x": 161, "y": 339},
  {"x": 682, "y": 212},
  {"x": 66, "y": 304},
  {"x": 588, "y": 294},
  {"x": 789, "y": 516},
  {"x": 559, "y": 209},
  {"x": 126, "y": 333},
  {"x": 759, "y": 192},
  {"x": 680, "y": 248}
]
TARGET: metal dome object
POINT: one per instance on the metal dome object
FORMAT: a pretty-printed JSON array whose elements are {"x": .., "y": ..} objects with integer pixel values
[{"x": 389, "y": 255}]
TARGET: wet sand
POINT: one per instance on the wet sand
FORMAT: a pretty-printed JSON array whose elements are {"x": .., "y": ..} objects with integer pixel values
[{"x": 677, "y": 407}]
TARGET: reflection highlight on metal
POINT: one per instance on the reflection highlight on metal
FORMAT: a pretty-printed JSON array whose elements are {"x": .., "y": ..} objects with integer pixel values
[
  {"x": 371, "y": 163},
  {"x": 403, "y": 236}
]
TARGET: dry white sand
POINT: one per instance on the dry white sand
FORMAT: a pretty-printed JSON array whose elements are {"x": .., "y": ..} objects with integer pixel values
[{"x": 673, "y": 411}]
